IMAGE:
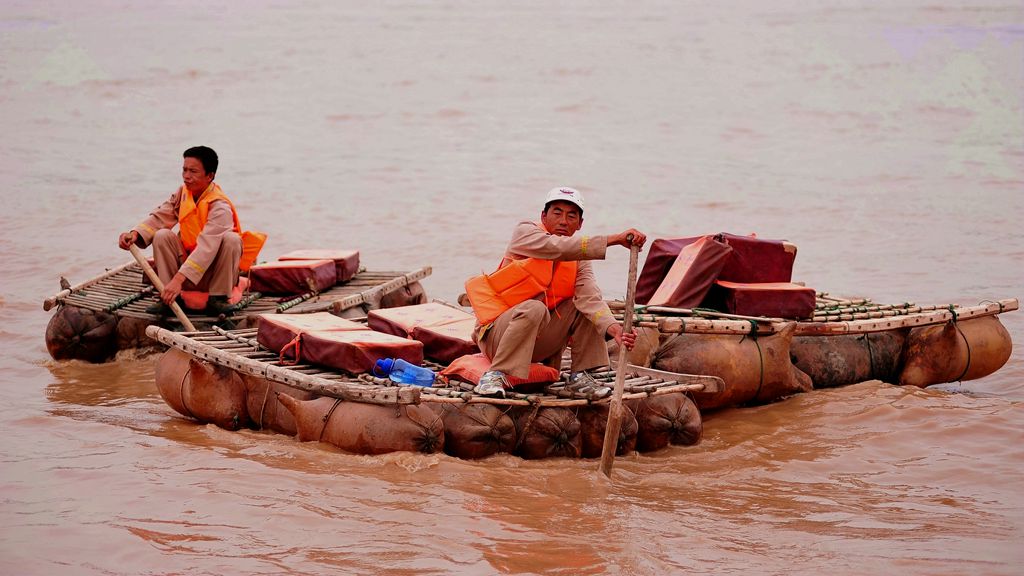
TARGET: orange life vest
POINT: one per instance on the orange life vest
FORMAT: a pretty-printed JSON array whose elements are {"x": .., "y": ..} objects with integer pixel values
[
  {"x": 517, "y": 281},
  {"x": 192, "y": 219}
]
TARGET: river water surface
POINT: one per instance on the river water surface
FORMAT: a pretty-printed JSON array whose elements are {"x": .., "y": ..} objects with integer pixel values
[{"x": 886, "y": 140}]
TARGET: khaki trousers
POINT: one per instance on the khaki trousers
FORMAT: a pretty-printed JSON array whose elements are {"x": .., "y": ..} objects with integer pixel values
[
  {"x": 220, "y": 278},
  {"x": 528, "y": 332}
]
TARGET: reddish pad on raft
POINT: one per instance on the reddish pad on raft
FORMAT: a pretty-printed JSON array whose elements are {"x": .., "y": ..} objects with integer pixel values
[
  {"x": 196, "y": 300},
  {"x": 774, "y": 299},
  {"x": 448, "y": 342},
  {"x": 755, "y": 260},
  {"x": 325, "y": 339},
  {"x": 751, "y": 260},
  {"x": 275, "y": 331},
  {"x": 692, "y": 273},
  {"x": 470, "y": 368},
  {"x": 346, "y": 262},
  {"x": 400, "y": 321},
  {"x": 293, "y": 276},
  {"x": 446, "y": 332},
  {"x": 356, "y": 351}
]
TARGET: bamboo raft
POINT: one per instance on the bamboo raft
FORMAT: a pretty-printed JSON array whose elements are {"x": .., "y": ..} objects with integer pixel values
[
  {"x": 832, "y": 316},
  {"x": 121, "y": 291},
  {"x": 226, "y": 378},
  {"x": 238, "y": 350}
]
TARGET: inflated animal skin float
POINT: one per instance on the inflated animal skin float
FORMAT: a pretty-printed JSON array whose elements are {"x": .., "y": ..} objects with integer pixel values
[
  {"x": 724, "y": 305},
  {"x": 260, "y": 378}
]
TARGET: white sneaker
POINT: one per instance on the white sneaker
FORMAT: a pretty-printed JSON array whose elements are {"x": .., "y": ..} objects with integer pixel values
[
  {"x": 492, "y": 383},
  {"x": 583, "y": 383}
]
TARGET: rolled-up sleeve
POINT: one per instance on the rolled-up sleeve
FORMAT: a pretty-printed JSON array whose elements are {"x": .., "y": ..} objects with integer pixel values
[
  {"x": 531, "y": 241},
  {"x": 164, "y": 216},
  {"x": 588, "y": 299}
]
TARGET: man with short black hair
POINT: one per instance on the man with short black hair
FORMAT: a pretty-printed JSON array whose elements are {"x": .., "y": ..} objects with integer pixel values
[
  {"x": 568, "y": 309},
  {"x": 210, "y": 247}
]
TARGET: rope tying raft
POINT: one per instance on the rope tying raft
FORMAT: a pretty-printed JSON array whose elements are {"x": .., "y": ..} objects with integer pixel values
[
  {"x": 956, "y": 324},
  {"x": 760, "y": 357},
  {"x": 327, "y": 419}
]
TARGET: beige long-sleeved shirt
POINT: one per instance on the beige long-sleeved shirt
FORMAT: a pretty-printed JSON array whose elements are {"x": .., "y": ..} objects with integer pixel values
[
  {"x": 218, "y": 223},
  {"x": 530, "y": 240}
]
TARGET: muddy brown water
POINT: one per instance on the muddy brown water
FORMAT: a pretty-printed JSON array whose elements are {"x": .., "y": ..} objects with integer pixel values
[{"x": 885, "y": 140}]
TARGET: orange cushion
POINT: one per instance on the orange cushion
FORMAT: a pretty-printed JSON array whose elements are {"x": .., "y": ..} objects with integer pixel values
[
  {"x": 196, "y": 300},
  {"x": 471, "y": 367}
]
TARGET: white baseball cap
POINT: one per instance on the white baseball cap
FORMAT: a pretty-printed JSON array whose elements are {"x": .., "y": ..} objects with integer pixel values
[{"x": 565, "y": 194}]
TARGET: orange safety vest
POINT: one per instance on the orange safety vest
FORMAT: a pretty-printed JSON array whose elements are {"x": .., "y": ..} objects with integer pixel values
[
  {"x": 192, "y": 219},
  {"x": 517, "y": 281}
]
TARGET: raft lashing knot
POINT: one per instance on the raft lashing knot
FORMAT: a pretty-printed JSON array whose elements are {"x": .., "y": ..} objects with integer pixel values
[
  {"x": 296, "y": 345},
  {"x": 760, "y": 357},
  {"x": 871, "y": 357},
  {"x": 526, "y": 428},
  {"x": 956, "y": 324},
  {"x": 327, "y": 419}
]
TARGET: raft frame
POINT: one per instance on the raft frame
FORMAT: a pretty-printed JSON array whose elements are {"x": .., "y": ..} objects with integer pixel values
[
  {"x": 239, "y": 351},
  {"x": 122, "y": 292},
  {"x": 852, "y": 317}
]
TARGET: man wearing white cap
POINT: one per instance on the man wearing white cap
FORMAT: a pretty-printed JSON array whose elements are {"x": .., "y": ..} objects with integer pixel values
[{"x": 568, "y": 311}]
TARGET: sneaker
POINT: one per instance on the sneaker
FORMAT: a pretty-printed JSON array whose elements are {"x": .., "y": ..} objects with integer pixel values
[
  {"x": 583, "y": 383},
  {"x": 161, "y": 309},
  {"x": 492, "y": 383},
  {"x": 217, "y": 305}
]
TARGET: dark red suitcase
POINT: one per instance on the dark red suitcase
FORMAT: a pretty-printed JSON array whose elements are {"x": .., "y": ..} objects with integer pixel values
[{"x": 772, "y": 299}]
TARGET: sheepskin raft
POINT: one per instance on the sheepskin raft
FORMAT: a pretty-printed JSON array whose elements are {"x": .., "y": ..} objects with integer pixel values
[
  {"x": 107, "y": 313},
  {"x": 227, "y": 378},
  {"x": 763, "y": 359}
]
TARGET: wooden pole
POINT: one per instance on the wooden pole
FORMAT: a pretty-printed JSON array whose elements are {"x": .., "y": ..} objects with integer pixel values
[
  {"x": 141, "y": 259},
  {"x": 614, "y": 424}
]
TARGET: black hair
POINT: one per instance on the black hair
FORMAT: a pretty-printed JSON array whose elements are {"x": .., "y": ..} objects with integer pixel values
[{"x": 205, "y": 155}]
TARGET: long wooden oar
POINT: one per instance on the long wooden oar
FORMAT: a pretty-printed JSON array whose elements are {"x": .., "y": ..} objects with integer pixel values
[
  {"x": 141, "y": 259},
  {"x": 614, "y": 424}
]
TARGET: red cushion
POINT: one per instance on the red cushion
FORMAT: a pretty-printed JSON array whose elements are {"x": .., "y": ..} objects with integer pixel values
[
  {"x": 755, "y": 260},
  {"x": 471, "y": 368},
  {"x": 446, "y": 332},
  {"x": 660, "y": 257},
  {"x": 275, "y": 331},
  {"x": 196, "y": 300},
  {"x": 346, "y": 262},
  {"x": 447, "y": 342},
  {"x": 293, "y": 276},
  {"x": 692, "y": 274},
  {"x": 773, "y": 299},
  {"x": 356, "y": 351}
]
